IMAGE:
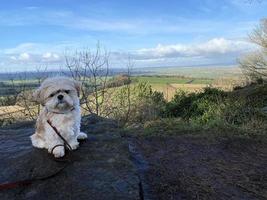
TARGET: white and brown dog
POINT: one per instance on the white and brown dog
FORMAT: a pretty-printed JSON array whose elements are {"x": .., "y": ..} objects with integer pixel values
[{"x": 61, "y": 109}]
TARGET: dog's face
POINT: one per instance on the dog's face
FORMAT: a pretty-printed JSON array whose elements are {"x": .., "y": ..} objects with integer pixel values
[{"x": 58, "y": 93}]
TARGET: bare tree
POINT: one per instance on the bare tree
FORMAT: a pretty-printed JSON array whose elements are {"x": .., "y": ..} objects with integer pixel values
[
  {"x": 122, "y": 99},
  {"x": 254, "y": 65},
  {"x": 128, "y": 90},
  {"x": 92, "y": 69},
  {"x": 18, "y": 103}
]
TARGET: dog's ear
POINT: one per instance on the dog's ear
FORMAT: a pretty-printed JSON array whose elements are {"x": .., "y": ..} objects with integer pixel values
[
  {"x": 36, "y": 95},
  {"x": 78, "y": 87}
]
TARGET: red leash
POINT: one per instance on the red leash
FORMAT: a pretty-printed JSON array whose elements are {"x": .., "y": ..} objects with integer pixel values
[
  {"x": 11, "y": 185},
  {"x": 27, "y": 182}
]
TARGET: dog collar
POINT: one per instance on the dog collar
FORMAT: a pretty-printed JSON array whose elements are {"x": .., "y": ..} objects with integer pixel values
[{"x": 56, "y": 112}]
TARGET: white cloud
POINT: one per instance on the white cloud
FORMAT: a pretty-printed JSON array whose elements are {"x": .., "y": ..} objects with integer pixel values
[
  {"x": 21, "y": 57},
  {"x": 212, "y": 48},
  {"x": 13, "y": 57},
  {"x": 216, "y": 50},
  {"x": 22, "y": 48},
  {"x": 24, "y": 57},
  {"x": 34, "y": 53},
  {"x": 48, "y": 56}
]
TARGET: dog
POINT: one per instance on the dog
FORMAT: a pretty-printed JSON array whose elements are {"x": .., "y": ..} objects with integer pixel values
[{"x": 61, "y": 113}]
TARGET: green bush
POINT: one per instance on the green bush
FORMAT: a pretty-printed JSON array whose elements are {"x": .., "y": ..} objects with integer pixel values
[
  {"x": 194, "y": 105},
  {"x": 214, "y": 107},
  {"x": 9, "y": 100},
  {"x": 137, "y": 104},
  {"x": 211, "y": 108},
  {"x": 119, "y": 80}
]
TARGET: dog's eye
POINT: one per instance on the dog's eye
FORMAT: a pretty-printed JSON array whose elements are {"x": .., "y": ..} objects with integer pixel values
[
  {"x": 67, "y": 91},
  {"x": 51, "y": 95}
]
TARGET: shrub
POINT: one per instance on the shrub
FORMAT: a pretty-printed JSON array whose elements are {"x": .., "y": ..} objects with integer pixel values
[
  {"x": 137, "y": 103},
  {"x": 194, "y": 105},
  {"x": 9, "y": 100},
  {"x": 214, "y": 107},
  {"x": 119, "y": 80}
]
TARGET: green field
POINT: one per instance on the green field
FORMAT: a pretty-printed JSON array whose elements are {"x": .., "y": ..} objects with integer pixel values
[
  {"x": 169, "y": 85},
  {"x": 211, "y": 72},
  {"x": 172, "y": 80}
]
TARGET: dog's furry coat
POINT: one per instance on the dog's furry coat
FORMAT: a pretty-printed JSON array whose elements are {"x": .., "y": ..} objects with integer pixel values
[{"x": 60, "y": 99}]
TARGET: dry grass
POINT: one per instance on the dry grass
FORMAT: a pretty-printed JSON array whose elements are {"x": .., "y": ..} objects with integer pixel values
[
  {"x": 9, "y": 109},
  {"x": 170, "y": 89}
]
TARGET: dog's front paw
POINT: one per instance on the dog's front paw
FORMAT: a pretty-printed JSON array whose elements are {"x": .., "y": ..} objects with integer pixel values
[
  {"x": 74, "y": 145},
  {"x": 59, "y": 152},
  {"x": 37, "y": 141},
  {"x": 82, "y": 136}
]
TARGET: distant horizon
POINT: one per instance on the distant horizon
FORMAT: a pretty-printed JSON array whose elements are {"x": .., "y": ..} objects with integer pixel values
[{"x": 125, "y": 68}]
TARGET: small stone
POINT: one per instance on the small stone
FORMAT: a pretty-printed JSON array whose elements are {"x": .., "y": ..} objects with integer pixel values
[{"x": 111, "y": 160}]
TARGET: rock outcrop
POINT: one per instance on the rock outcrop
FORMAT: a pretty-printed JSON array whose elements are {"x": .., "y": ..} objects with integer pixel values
[{"x": 101, "y": 168}]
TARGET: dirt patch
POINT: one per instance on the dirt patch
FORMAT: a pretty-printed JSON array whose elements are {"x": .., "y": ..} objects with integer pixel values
[{"x": 187, "y": 167}]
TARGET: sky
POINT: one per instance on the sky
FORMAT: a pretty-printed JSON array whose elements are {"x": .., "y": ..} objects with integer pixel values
[{"x": 152, "y": 33}]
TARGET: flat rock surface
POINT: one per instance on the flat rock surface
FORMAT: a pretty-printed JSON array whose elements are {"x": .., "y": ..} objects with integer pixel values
[{"x": 101, "y": 168}]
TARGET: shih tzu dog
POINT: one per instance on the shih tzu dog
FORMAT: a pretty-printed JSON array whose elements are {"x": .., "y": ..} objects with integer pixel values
[{"x": 60, "y": 115}]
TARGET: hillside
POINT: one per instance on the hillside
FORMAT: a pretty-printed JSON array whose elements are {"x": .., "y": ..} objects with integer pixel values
[{"x": 118, "y": 164}]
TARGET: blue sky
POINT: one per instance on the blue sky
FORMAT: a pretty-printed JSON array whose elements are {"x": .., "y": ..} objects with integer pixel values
[{"x": 153, "y": 33}]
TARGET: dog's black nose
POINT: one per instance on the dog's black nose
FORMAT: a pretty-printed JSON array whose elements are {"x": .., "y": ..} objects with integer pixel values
[{"x": 60, "y": 97}]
